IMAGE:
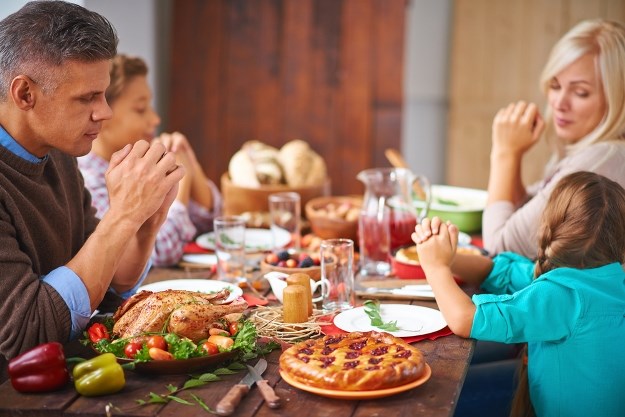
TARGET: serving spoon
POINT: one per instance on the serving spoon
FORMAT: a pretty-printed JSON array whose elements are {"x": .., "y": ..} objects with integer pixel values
[{"x": 397, "y": 160}]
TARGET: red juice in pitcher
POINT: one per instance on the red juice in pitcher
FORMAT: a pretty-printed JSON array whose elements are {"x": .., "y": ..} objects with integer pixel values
[
  {"x": 402, "y": 227},
  {"x": 387, "y": 217}
]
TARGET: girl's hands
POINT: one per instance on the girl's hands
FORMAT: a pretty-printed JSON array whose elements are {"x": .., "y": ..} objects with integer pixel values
[
  {"x": 516, "y": 128},
  {"x": 436, "y": 242}
]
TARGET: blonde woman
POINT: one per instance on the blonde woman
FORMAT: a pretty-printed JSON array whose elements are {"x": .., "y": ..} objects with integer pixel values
[
  {"x": 584, "y": 82},
  {"x": 567, "y": 305},
  {"x": 198, "y": 200}
]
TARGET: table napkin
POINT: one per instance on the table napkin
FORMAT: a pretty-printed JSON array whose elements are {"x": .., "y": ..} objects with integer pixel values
[
  {"x": 193, "y": 247},
  {"x": 253, "y": 301},
  {"x": 330, "y": 329}
]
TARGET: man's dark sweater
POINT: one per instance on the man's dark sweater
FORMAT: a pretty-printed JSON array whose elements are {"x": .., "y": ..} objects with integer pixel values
[{"x": 45, "y": 218}]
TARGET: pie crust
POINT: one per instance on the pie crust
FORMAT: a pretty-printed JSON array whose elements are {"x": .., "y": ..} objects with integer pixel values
[{"x": 354, "y": 361}]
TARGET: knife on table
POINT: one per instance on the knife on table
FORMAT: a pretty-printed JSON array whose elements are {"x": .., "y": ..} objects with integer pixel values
[
  {"x": 272, "y": 400},
  {"x": 407, "y": 292},
  {"x": 226, "y": 405}
]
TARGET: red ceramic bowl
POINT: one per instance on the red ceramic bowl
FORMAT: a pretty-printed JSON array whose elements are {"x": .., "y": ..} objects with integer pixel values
[{"x": 405, "y": 263}]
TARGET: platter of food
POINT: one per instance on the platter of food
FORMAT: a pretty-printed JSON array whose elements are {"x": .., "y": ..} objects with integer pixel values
[
  {"x": 206, "y": 286},
  {"x": 180, "y": 366},
  {"x": 176, "y": 331},
  {"x": 409, "y": 320},
  {"x": 256, "y": 240}
]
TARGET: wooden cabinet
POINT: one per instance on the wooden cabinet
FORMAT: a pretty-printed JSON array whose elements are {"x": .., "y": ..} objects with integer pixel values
[{"x": 325, "y": 71}]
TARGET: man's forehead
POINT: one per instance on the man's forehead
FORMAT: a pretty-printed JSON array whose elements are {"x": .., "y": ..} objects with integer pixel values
[{"x": 78, "y": 75}]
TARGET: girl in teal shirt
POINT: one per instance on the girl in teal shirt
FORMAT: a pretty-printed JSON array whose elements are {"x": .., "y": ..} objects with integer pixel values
[{"x": 568, "y": 305}]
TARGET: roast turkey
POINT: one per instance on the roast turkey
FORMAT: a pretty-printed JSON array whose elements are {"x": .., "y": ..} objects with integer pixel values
[{"x": 185, "y": 313}]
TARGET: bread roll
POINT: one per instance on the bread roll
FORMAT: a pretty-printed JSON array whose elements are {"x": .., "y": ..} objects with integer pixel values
[
  {"x": 301, "y": 165},
  {"x": 255, "y": 164}
]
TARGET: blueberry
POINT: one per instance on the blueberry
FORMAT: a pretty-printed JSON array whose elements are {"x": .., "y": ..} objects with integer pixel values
[
  {"x": 284, "y": 255},
  {"x": 307, "y": 262}
]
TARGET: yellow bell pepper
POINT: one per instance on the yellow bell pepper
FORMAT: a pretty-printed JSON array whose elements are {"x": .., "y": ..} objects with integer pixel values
[{"x": 99, "y": 376}]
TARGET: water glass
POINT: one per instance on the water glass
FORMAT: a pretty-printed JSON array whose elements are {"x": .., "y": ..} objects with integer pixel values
[
  {"x": 337, "y": 272},
  {"x": 285, "y": 214},
  {"x": 230, "y": 248}
]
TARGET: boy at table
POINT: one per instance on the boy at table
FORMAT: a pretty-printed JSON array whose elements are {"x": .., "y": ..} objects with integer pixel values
[
  {"x": 568, "y": 306},
  {"x": 198, "y": 200},
  {"x": 58, "y": 262}
]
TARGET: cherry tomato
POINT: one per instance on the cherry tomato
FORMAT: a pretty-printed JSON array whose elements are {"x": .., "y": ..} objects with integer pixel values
[
  {"x": 233, "y": 328},
  {"x": 157, "y": 341},
  {"x": 131, "y": 349},
  {"x": 210, "y": 348}
]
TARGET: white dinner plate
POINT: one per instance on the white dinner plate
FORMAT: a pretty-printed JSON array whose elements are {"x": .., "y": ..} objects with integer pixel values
[
  {"x": 464, "y": 239},
  {"x": 256, "y": 240},
  {"x": 199, "y": 285},
  {"x": 412, "y": 320},
  {"x": 200, "y": 258}
]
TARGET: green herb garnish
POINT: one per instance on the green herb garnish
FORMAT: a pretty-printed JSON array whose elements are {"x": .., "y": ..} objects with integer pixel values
[{"x": 372, "y": 308}]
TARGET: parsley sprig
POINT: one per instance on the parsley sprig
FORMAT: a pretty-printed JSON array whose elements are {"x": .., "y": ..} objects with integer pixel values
[
  {"x": 193, "y": 382},
  {"x": 372, "y": 308}
]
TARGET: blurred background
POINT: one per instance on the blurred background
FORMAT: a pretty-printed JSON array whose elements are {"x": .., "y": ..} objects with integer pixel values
[{"x": 350, "y": 77}]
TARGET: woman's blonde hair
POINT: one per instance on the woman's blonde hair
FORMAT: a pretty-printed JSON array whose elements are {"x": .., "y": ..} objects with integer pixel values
[
  {"x": 124, "y": 69},
  {"x": 606, "y": 41}
]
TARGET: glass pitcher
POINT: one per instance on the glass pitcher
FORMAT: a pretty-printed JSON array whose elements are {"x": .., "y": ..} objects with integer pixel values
[{"x": 389, "y": 214}]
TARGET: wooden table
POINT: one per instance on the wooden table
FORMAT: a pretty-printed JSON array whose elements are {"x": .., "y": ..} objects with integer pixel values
[{"x": 448, "y": 357}]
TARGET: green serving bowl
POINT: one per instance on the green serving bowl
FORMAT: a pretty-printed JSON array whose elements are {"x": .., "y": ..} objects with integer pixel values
[{"x": 461, "y": 206}]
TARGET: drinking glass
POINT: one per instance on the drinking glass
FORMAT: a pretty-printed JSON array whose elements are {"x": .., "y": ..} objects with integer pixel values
[
  {"x": 337, "y": 272},
  {"x": 285, "y": 214},
  {"x": 230, "y": 248}
]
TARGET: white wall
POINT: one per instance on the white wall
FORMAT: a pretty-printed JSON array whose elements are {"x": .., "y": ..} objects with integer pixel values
[{"x": 424, "y": 127}]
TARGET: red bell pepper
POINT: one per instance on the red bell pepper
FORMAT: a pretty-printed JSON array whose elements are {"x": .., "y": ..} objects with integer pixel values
[
  {"x": 40, "y": 369},
  {"x": 97, "y": 332}
]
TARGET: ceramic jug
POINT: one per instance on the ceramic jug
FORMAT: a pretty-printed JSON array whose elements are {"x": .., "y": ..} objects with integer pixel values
[{"x": 389, "y": 215}]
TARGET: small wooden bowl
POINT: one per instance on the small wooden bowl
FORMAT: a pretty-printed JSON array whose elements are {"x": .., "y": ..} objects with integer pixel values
[
  {"x": 239, "y": 199},
  {"x": 333, "y": 227},
  {"x": 313, "y": 271}
]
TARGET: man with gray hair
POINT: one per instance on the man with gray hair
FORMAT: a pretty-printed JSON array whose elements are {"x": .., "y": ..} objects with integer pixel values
[{"x": 57, "y": 261}]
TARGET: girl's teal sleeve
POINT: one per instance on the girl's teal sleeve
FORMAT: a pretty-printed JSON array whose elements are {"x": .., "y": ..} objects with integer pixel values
[{"x": 510, "y": 273}]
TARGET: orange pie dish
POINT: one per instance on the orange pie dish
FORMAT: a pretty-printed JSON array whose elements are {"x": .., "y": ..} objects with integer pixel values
[{"x": 358, "y": 395}]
